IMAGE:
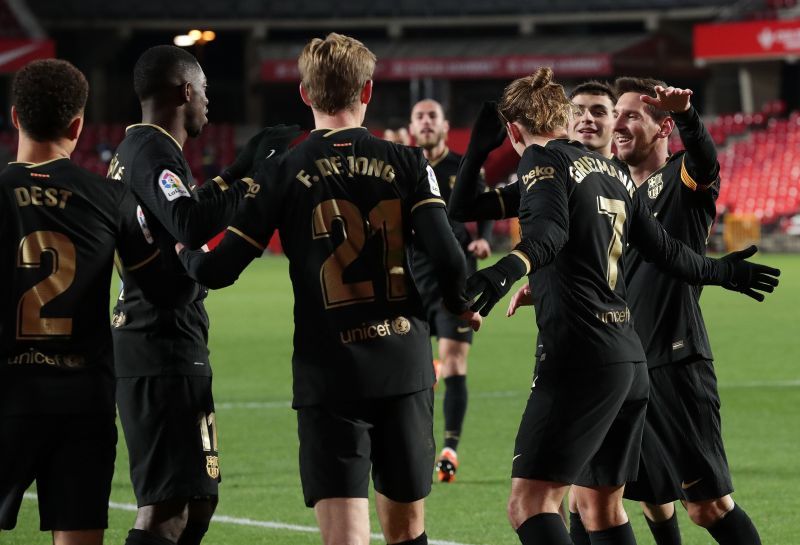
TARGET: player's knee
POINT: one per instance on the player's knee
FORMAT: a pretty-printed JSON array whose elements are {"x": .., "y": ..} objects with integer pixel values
[
  {"x": 166, "y": 519},
  {"x": 597, "y": 516},
  {"x": 708, "y": 513},
  {"x": 518, "y": 511}
]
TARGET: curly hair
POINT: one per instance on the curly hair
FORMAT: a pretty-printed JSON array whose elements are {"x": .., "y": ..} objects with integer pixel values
[
  {"x": 47, "y": 95},
  {"x": 536, "y": 102},
  {"x": 643, "y": 86}
]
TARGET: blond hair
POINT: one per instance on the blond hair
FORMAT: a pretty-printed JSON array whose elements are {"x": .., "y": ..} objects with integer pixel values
[
  {"x": 537, "y": 103},
  {"x": 333, "y": 71}
]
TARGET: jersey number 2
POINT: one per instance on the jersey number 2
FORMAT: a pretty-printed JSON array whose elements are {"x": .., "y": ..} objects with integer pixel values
[
  {"x": 30, "y": 322},
  {"x": 384, "y": 220}
]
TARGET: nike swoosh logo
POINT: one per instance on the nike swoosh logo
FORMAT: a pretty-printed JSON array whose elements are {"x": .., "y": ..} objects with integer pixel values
[
  {"x": 463, "y": 329},
  {"x": 515, "y": 457},
  {"x": 503, "y": 283},
  {"x": 686, "y": 486},
  {"x": 14, "y": 54},
  {"x": 271, "y": 153}
]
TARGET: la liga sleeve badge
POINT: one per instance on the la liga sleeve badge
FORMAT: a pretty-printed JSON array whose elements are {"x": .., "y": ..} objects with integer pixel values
[{"x": 172, "y": 186}]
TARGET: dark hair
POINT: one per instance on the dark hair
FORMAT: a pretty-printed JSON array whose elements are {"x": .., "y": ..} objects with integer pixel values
[
  {"x": 160, "y": 68},
  {"x": 594, "y": 87},
  {"x": 643, "y": 86},
  {"x": 47, "y": 95}
]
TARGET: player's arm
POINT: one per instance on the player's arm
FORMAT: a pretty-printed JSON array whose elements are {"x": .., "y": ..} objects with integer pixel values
[
  {"x": 140, "y": 257},
  {"x": 544, "y": 222},
  {"x": 468, "y": 201},
  {"x": 732, "y": 271},
  {"x": 700, "y": 167},
  {"x": 245, "y": 239}
]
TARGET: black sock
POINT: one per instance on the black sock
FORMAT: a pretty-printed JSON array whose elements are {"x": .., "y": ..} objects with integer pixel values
[
  {"x": 455, "y": 408},
  {"x": 577, "y": 532},
  {"x": 421, "y": 539},
  {"x": 735, "y": 528},
  {"x": 618, "y": 535},
  {"x": 143, "y": 537},
  {"x": 544, "y": 528},
  {"x": 666, "y": 532},
  {"x": 193, "y": 533}
]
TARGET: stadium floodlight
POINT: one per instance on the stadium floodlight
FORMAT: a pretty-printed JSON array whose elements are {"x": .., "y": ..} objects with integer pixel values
[
  {"x": 184, "y": 40},
  {"x": 208, "y": 35},
  {"x": 195, "y": 34}
]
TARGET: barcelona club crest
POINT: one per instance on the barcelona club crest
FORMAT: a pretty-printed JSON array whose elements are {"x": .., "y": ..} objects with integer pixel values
[
  {"x": 212, "y": 466},
  {"x": 654, "y": 186}
]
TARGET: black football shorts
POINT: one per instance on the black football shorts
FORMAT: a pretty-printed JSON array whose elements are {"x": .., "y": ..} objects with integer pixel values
[
  {"x": 71, "y": 458},
  {"x": 446, "y": 325},
  {"x": 340, "y": 443},
  {"x": 171, "y": 432},
  {"x": 683, "y": 457},
  {"x": 582, "y": 425}
]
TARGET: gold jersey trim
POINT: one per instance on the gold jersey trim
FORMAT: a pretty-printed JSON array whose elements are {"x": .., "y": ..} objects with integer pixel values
[
  {"x": 145, "y": 262},
  {"x": 334, "y": 131},
  {"x": 162, "y": 129},
  {"x": 248, "y": 238},
  {"x": 34, "y": 165},
  {"x": 221, "y": 183},
  {"x": 502, "y": 203},
  {"x": 524, "y": 259},
  {"x": 427, "y": 201},
  {"x": 439, "y": 159}
]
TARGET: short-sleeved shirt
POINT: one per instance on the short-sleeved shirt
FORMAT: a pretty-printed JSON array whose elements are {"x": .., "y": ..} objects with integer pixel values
[
  {"x": 58, "y": 231},
  {"x": 342, "y": 201}
]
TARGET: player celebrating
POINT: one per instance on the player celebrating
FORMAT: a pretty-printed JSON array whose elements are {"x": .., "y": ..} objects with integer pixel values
[
  {"x": 585, "y": 414},
  {"x": 683, "y": 457},
  {"x": 345, "y": 204},
  {"x": 58, "y": 231},
  {"x": 429, "y": 128},
  {"x": 163, "y": 372},
  {"x": 593, "y": 125}
]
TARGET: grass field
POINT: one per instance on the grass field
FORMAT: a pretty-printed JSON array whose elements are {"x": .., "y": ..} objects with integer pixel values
[{"x": 757, "y": 349}]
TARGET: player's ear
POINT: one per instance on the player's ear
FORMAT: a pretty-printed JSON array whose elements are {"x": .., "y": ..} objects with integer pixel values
[
  {"x": 15, "y": 117},
  {"x": 304, "y": 96},
  {"x": 366, "y": 92},
  {"x": 666, "y": 127},
  {"x": 186, "y": 92},
  {"x": 446, "y": 126},
  {"x": 513, "y": 132},
  {"x": 75, "y": 127}
]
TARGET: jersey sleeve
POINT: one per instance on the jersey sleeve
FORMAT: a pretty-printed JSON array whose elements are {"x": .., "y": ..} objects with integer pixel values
[
  {"x": 699, "y": 165},
  {"x": 469, "y": 200},
  {"x": 544, "y": 206},
  {"x": 163, "y": 190},
  {"x": 426, "y": 189},
  {"x": 648, "y": 236}
]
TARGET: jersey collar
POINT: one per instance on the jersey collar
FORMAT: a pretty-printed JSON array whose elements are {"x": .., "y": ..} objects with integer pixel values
[
  {"x": 439, "y": 159},
  {"x": 162, "y": 129},
  {"x": 35, "y": 165},
  {"x": 328, "y": 132}
]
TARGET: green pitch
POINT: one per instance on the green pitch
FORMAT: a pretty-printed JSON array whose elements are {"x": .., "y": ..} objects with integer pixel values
[{"x": 757, "y": 349}]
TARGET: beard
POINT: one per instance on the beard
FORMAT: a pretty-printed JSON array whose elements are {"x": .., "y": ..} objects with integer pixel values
[{"x": 430, "y": 140}]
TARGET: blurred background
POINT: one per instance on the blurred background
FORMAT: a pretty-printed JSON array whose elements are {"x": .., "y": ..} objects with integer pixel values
[{"x": 739, "y": 58}]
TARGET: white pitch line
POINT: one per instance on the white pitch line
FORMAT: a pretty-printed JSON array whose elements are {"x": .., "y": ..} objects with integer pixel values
[
  {"x": 500, "y": 394},
  {"x": 239, "y": 521}
]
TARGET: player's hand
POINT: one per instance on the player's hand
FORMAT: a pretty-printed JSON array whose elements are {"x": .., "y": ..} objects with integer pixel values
[
  {"x": 489, "y": 132},
  {"x": 179, "y": 248},
  {"x": 492, "y": 283},
  {"x": 669, "y": 99},
  {"x": 522, "y": 298},
  {"x": 475, "y": 320},
  {"x": 480, "y": 248},
  {"x": 747, "y": 277}
]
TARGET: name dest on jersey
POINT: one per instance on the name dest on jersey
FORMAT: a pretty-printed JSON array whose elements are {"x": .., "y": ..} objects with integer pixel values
[
  {"x": 42, "y": 196},
  {"x": 351, "y": 166},
  {"x": 584, "y": 166},
  {"x": 387, "y": 328}
]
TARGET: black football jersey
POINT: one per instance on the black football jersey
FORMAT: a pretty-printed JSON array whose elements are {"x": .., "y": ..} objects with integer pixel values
[
  {"x": 422, "y": 267},
  {"x": 342, "y": 202},
  {"x": 58, "y": 231},
  {"x": 154, "y": 337},
  {"x": 682, "y": 195}
]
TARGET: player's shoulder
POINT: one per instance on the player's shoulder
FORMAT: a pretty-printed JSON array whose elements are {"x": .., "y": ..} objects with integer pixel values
[{"x": 145, "y": 143}]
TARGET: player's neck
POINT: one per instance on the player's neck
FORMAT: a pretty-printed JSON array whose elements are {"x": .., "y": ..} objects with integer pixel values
[
  {"x": 339, "y": 120},
  {"x": 605, "y": 151},
  {"x": 31, "y": 151},
  {"x": 168, "y": 119},
  {"x": 435, "y": 153},
  {"x": 653, "y": 162}
]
